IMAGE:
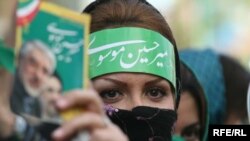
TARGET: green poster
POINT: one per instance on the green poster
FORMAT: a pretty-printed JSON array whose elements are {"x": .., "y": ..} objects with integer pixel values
[
  {"x": 66, "y": 34},
  {"x": 51, "y": 57}
]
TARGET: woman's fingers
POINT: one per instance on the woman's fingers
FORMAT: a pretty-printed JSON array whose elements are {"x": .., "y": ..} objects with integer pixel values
[
  {"x": 87, "y": 99},
  {"x": 86, "y": 121},
  {"x": 93, "y": 120}
]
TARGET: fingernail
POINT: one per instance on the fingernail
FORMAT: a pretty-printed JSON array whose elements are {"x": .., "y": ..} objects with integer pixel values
[
  {"x": 61, "y": 103},
  {"x": 58, "y": 133}
]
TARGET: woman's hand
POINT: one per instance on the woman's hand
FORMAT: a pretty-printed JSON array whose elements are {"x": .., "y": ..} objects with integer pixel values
[{"x": 93, "y": 119}]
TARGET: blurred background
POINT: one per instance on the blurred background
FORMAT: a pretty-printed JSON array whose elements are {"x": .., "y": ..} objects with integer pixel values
[{"x": 222, "y": 25}]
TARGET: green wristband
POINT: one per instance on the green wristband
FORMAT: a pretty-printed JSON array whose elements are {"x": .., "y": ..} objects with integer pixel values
[{"x": 6, "y": 57}]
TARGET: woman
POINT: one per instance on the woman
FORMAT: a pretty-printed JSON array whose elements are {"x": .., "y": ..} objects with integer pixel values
[
  {"x": 236, "y": 93},
  {"x": 202, "y": 62},
  {"x": 134, "y": 68},
  {"x": 230, "y": 106},
  {"x": 192, "y": 123}
]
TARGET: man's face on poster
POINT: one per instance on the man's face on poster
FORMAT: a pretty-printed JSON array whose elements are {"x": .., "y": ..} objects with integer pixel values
[
  {"x": 51, "y": 91},
  {"x": 35, "y": 68}
]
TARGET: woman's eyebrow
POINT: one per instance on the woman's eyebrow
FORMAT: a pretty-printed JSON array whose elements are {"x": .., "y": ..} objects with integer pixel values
[
  {"x": 114, "y": 81},
  {"x": 154, "y": 81}
]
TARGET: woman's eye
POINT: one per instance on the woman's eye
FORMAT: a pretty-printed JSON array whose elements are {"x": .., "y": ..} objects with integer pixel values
[
  {"x": 191, "y": 132},
  {"x": 155, "y": 93},
  {"x": 111, "y": 96}
]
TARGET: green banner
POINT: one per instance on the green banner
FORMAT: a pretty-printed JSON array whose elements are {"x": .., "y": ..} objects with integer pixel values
[{"x": 131, "y": 49}]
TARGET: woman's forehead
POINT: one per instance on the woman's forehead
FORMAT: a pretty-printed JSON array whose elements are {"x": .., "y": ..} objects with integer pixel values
[{"x": 130, "y": 77}]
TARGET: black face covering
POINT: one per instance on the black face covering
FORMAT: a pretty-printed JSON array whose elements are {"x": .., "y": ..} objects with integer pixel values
[{"x": 145, "y": 123}]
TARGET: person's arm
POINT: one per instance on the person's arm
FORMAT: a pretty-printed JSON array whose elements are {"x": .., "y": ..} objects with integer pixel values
[
  {"x": 7, "y": 122},
  {"x": 16, "y": 129},
  {"x": 7, "y": 118},
  {"x": 12, "y": 126},
  {"x": 8, "y": 21}
]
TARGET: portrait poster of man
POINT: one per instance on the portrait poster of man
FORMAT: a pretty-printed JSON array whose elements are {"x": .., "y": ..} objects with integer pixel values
[{"x": 51, "y": 55}]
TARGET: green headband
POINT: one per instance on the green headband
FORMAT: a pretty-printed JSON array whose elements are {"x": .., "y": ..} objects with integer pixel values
[
  {"x": 6, "y": 57},
  {"x": 130, "y": 49}
]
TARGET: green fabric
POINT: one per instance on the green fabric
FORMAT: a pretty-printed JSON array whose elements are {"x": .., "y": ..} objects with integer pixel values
[
  {"x": 177, "y": 138},
  {"x": 6, "y": 57},
  {"x": 130, "y": 49},
  {"x": 205, "y": 108}
]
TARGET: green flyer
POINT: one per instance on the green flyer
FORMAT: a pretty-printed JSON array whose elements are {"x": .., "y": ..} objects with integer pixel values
[
  {"x": 51, "y": 56},
  {"x": 66, "y": 33}
]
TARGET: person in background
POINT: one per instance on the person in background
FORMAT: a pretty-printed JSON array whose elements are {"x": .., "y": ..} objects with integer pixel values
[
  {"x": 248, "y": 103},
  {"x": 35, "y": 65},
  {"x": 220, "y": 76},
  {"x": 134, "y": 67},
  {"x": 237, "y": 80},
  {"x": 193, "y": 120},
  {"x": 52, "y": 90}
]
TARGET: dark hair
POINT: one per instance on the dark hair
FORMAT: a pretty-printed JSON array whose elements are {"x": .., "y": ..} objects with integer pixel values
[
  {"x": 191, "y": 84},
  {"x": 237, "y": 80},
  {"x": 137, "y": 13}
]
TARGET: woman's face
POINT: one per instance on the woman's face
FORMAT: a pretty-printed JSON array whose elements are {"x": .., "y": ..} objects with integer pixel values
[
  {"x": 129, "y": 90},
  {"x": 188, "y": 123}
]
